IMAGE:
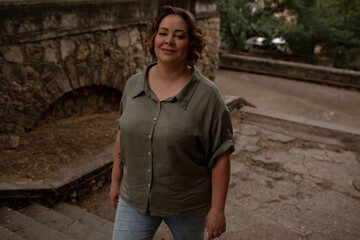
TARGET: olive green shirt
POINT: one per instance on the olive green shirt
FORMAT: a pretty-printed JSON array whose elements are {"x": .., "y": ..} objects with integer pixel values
[{"x": 168, "y": 148}]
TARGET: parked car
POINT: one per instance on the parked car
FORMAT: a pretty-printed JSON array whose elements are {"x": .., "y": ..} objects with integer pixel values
[
  {"x": 264, "y": 43},
  {"x": 257, "y": 43},
  {"x": 280, "y": 44}
]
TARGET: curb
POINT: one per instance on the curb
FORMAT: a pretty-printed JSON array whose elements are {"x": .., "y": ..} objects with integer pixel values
[
  {"x": 301, "y": 71},
  {"x": 73, "y": 181},
  {"x": 254, "y": 114}
]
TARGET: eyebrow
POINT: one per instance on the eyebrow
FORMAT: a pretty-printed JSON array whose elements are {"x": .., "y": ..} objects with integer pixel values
[{"x": 176, "y": 30}]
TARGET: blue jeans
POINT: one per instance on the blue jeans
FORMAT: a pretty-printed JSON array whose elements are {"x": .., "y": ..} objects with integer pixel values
[{"x": 132, "y": 225}]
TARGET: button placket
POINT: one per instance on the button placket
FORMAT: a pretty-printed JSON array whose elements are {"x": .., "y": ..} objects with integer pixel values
[{"x": 150, "y": 136}]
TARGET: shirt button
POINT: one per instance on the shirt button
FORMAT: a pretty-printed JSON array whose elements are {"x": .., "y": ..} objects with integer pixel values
[
  {"x": 149, "y": 153},
  {"x": 154, "y": 119},
  {"x": 148, "y": 184},
  {"x": 149, "y": 136},
  {"x": 149, "y": 170}
]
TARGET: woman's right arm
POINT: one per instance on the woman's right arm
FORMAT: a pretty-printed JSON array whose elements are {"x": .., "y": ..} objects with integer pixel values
[{"x": 116, "y": 175}]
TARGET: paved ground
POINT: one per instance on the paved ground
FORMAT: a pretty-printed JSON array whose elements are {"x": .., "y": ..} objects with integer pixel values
[
  {"x": 291, "y": 186},
  {"x": 308, "y": 100},
  {"x": 285, "y": 184}
]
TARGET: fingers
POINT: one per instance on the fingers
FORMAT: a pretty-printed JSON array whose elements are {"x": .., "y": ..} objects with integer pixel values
[
  {"x": 114, "y": 201},
  {"x": 212, "y": 234}
]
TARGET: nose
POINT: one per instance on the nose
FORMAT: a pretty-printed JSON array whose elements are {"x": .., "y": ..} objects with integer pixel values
[{"x": 169, "y": 40}]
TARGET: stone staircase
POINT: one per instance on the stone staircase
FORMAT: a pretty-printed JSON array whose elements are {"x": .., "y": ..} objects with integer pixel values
[{"x": 64, "y": 221}]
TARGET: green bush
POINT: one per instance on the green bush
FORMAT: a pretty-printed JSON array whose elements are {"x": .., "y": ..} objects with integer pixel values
[{"x": 332, "y": 25}]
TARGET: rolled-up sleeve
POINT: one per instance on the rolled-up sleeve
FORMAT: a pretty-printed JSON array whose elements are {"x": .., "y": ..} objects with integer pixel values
[{"x": 221, "y": 138}]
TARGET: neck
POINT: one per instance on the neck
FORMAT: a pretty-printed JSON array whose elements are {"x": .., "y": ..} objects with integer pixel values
[{"x": 171, "y": 72}]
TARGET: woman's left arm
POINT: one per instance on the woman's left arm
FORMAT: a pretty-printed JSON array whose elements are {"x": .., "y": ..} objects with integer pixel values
[{"x": 220, "y": 177}]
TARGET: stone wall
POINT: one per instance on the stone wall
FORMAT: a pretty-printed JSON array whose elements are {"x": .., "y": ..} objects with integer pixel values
[
  {"x": 52, "y": 52},
  {"x": 306, "y": 72}
]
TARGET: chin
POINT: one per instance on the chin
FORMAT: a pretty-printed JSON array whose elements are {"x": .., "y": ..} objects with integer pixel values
[{"x": 168, "y": 60}]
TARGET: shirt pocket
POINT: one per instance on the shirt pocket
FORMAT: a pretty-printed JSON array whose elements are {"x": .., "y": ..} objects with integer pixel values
[{"x": 182, "y": 137}]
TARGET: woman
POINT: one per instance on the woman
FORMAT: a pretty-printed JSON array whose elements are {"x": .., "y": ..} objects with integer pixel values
[{"x": 172, "y": 156}]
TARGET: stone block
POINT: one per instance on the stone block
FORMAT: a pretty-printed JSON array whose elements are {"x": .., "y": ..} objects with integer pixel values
[
  {"x": 104, "y": 37},
  {"x": 12, "y": 53},
  {"x": 82, "y": 52},
  {"x": 71, "y": 72},
  {"x": 63, "y": 82},
  {"x": 42, "y": 91},
  {"x": 50, "y": 22},
  {"x": 134, "y": 36},
  {"x": 67, "y": 48},
  {"x": 29, "y": 72},
  {"x": 51, "y": 55},
  {"x": 34, "y": 52},
  {"x": 70, "y": 20},
  {"x": 55, "y": 89},
  {"x": 15, "y": 87},
  {"x": 12, "y": 142},
  {"x": 82, "y": 71},
  {"x": 122, "y": 38},
  {"x": 104, "y": 71}
]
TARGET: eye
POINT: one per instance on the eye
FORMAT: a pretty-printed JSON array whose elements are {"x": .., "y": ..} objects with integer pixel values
[
  {"x": 180, "y": 36},
  {"x": 162, "y": 34}
]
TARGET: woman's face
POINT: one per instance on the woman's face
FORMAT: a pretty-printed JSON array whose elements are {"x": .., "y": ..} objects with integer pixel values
[{"x": 171, "y": 44}]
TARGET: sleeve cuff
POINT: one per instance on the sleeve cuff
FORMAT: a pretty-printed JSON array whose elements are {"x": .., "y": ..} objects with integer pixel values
[{"x": 227, "y": 145}]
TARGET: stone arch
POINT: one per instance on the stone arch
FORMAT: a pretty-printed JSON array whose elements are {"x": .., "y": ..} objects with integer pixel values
[
  {"x": 93, "y": 45},
  {"x": 82, "y": 101}
]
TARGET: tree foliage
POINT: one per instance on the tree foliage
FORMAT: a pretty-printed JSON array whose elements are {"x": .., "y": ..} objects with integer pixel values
[
  {"x": 242, "y": 19},
  {"x": 333, "y": 25}
]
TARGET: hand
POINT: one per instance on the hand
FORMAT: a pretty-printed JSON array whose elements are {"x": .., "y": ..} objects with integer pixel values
[
  {"x": 215, "y": 223},
  {"x": 114, "y": 194}
]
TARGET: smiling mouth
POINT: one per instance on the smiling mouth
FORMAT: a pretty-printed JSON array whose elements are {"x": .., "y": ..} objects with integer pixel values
[{"x": 167, "y": 51}]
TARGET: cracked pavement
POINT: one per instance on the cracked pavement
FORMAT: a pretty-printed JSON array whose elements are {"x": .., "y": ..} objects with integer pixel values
[
  {"x": 284, "y": 185},
  {"x": 291, "y": 187}
]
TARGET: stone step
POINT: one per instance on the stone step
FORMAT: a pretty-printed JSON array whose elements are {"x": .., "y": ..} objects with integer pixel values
[
  {"x": 27, "y": 227},
  {"x": 82, "y": 216},
  {"x": 63, "y": 223},
  {"x": 6, "y": 234}
]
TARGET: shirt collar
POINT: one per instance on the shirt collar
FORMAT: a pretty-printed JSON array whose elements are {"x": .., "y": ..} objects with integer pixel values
[
  {"x": 183, "y": 97},
  {"x": 141, "y": 84}
]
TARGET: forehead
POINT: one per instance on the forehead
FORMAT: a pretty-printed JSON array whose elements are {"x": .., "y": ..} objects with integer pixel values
[{"x": 171, "y": 22}]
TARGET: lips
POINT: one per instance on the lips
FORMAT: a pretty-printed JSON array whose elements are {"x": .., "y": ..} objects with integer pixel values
[{"x": 167, "y": 51}]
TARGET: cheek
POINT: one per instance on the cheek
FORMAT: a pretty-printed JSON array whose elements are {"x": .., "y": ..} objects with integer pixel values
[
  {"x": 185, "y": 47},
  {"x": 156, "y": 45},
  {"x": 158, "y": 40}
]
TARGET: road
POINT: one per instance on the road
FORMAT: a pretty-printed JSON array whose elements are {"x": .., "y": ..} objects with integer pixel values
[{"x": 304, "y": 99}]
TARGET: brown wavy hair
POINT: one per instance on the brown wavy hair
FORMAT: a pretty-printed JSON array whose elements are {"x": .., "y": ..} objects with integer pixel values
[{"x": 196, "y": 34}]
